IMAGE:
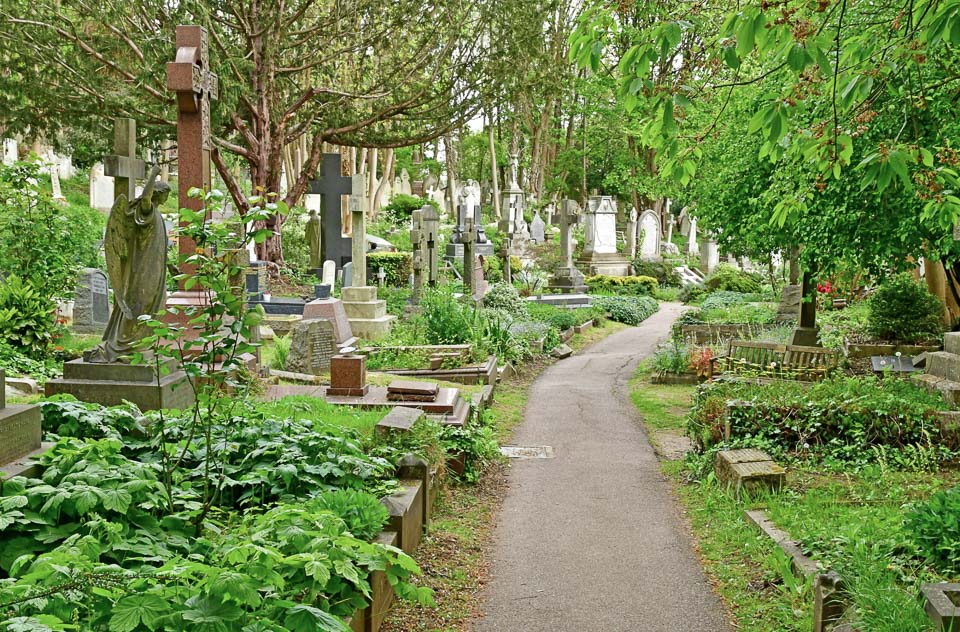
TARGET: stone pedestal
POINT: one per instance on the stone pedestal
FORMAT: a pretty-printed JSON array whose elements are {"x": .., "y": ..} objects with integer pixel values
[
  {"x": 348, "y": 376},
  {"x": 609, "y": 264},
  {"x": 111, "y": 384},
  {"x": 568, "y": 281},
  {"x": 805, "y": 336},
  {"x": 367, "y": 315}
]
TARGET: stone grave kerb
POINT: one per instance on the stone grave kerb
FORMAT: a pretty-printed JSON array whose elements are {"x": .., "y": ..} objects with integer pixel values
[
  {"x": 331, "y": 186},
  {"x": 123, "y": 165}
]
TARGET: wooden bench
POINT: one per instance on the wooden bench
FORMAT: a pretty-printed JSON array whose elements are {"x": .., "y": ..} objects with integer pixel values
[{"x": 770, "y": 359}]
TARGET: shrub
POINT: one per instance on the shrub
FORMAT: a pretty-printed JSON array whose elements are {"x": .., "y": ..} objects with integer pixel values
[
  {"x": 903, "y": 309},
  {"x": 934, "y": 528},
  {"x": 15, "y": 362},
  {"x": 671, "y": 358},
  {"x": 622, "y": 285},
  {"x": 363, "y": 513},
  {"x": 448, "y": 321},
  {"x": 726, "y": 277},
  {"x": 396, "y": 265},
  {"x": 401, "y": 206},
  {"x": 504, "y": 296},
  {"x": 630, "y": 310},
  {"x": 691, "y": 294},
  {"x": 26, "y": 317},
  {"x": 561, "y": 319},
  {"x": 722, "y": 299},
  {"x": 840, "y": 419},
  {"x": 665, "y": 273}
]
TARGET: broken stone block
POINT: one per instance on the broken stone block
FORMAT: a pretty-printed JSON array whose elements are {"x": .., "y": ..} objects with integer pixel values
[
  {"x": 748, "y": 471},
  {"x": 561, "y": 352},
  {"x": 943, "y": 606}
]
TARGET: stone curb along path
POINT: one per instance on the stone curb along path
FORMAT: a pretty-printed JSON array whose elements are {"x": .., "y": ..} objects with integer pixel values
[{"x": 591, "y": 539}]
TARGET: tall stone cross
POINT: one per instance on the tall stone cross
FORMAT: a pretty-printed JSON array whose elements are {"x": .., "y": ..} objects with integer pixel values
[
  {"x": 568, "y": 215},
  {"x": 332, "y": 186},
  {"x": 358, "y": 222},
  {"x": 190, "y": 77},
  {"x": 431, "y": 237},
  {"x": 123, "y": 165}
]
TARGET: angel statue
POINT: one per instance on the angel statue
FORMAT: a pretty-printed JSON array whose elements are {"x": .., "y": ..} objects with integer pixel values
[{"x": 136, "y": 253}]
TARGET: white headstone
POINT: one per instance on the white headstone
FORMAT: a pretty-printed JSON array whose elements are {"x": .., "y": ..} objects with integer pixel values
[
  {"x": 405, "y": 187},
  {"x": 10, "y": 154},
  {"x": 101, "y": 189},
  {"x": 650, "y": 227},
  {"x": 684, "y": 222},
  {"x": 709, "y": 255},
  {"x": 329, "y": 273},
  {"x": 600, "y": 234},
  {"x": 693, "y": 246},
  {"x": 537, "y": 229}
]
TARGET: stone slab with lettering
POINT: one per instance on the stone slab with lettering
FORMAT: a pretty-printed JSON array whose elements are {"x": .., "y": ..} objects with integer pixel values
[
  {"x": 312, "y": 345},
  {"x": 331, "y": 309},
  {"x": 19, "y": 433},
  {"x": 91, "y": 309},
  {"x": 650, "y": 229}
]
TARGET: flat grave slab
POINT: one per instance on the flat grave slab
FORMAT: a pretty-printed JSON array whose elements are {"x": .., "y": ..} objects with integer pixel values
[
  {"x": 527, "y": 452},
  {"x": 749, "y": 470},
  {"x": 893, "y": 364}
]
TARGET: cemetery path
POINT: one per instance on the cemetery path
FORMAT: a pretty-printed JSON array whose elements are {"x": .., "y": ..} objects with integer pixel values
[{"x": 592, "y": 539}]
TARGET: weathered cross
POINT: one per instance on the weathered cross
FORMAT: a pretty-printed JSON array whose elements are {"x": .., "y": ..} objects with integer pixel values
[
  {"x": 431, "y": 230},
  {"x": 568, "y": 216},
  {"x": 358, "y": 223},
  {"x": 123, "y": 165},
  {"x": 469, "y": 237},
  {"x": 332, "y": 186},
  {"x": 417, "y": 238},
  {"x": 190, "y": 77}
]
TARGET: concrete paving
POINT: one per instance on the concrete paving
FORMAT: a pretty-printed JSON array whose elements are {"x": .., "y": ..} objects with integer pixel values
[{"x": 592, "y": 540}]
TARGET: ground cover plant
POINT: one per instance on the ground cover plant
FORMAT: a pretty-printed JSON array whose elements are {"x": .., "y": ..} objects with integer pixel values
[{"x": 841, "y": 421}]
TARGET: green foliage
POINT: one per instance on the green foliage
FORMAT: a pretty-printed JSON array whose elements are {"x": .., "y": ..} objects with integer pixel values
[
  {"x": 66, "y": 417},
  {"x": 840, "y": 324},
  {"x": 448, "y": 321},
  {"x": 296, "y": 250},
  {"x": 727, "y": 277},
  {"x": 664, "y": 272},
  {"x": 505, "y": 297},
  {"x": 42, "y": 242},
  {"x": 397, "y": 298},
  {"x": 26, "y": 316},
  {"x": 933, "y": 526},
  {"x": 561, "y": 319},
  {"x": 902, "y": 309},
  {"x": 739, "y": 314},
  {"x": 671, "y": 358},
  {"x": 722, "y": 299},
  {"x": 630, "y": 310},
  {"x": 689, "y": 317},
  {"x": 691, "y": 294},
  {"x": 397, "y": 265},
  {"x": 15, "y": 362},
  {"x": 281, "y": 351},
  {"x": 622, "y": 285},
  {"x": 401, "y": 206},
  {"x": 476, "y": 441},
  {"x": 363, "y": 513},
  {"x": 843, "y": 420}
]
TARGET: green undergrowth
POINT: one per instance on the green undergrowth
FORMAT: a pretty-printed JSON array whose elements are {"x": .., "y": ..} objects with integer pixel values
[
  {"x": 316, "y": 409},
  {"x": 853, "y": 518}
]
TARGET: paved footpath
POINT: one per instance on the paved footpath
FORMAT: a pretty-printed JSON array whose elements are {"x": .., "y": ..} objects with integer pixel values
[{"x": 591, "y": 540}]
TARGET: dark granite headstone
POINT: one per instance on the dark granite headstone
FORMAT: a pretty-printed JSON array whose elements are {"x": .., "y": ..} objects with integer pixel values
[{"x": 91, "y": 308}]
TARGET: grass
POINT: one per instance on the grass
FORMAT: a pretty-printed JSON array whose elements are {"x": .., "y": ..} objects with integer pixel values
[
  {"x": 850, "y": 522},
  {"x": 314, "y": 408}
]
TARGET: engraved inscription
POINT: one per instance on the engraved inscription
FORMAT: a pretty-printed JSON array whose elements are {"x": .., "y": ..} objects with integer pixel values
[{"x": 19, "y": 435}]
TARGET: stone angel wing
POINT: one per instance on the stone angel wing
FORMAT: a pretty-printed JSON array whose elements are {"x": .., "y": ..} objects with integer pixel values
[{"x": 116, "y": 245}]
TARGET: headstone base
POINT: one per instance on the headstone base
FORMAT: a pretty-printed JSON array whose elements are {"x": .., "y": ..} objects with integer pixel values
[
  {"x": 568, "y": 281},
  {"x": 613, "y": 264},
  {"x": 111, "y": 384},
  {"x": 19, "y": 432},
  {"x": 805, "y": 336},
  {"x": 789, "y": 308},
  {"x": 367, "y": 316}
]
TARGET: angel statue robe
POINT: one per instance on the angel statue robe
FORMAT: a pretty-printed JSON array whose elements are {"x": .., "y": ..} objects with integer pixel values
[{"x": 136, "y": 253}]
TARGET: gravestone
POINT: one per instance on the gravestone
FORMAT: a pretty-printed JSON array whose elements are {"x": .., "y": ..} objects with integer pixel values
[
  {"x": 329, "y": 273},
  {"x": 684, "y": 222},
  {"x": 10, "y": 151},
  {"x": 91, "y": 309},
  {"x": 567, "y": 278},
  {"x": 418, "y": 188},
  {"x": 101, "y": 189},
  {"x": 650, "y": 227},
  {"x": 709, "y": 254},
  {"x": 405, "y": 187},
  {"x": 537, "y": 229},
  {"x": 347, "y": 279},
  {"x": 480, "y": 285},
  {"x": 20, "y": 433},
  {"x": 600, "y": 254},
  {"x": 331, "y": 309},
  {"x": 332, "y": 186},
  {"x": 313, "y": 342},
  {"x": 56, "y": 191},
  {"x": 693, "y": 246}
]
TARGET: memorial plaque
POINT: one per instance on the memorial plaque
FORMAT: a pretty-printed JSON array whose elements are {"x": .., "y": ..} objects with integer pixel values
[{"x": 91, "y": 311}]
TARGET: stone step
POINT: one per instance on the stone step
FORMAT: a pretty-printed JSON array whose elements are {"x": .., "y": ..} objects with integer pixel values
[
  {"x": 944, "y": 364},
  {"x": 365, "y": 309},
  {"x": 951, "y": 342},
  {"x": 372, "y": 328},
  {"x": 948, "y": 389}
]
